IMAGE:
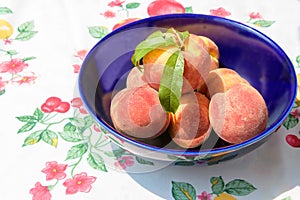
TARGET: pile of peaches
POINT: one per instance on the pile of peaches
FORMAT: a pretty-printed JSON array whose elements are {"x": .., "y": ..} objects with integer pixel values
[{"x": 212, "y": 98}]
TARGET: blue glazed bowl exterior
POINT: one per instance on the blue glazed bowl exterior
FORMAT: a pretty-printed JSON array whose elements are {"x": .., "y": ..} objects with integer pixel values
[{"x": 252, "y": 54}]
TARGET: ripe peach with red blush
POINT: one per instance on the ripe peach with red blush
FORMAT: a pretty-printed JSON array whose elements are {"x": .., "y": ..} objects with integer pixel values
[
  {"x": 238, "y": 114},
  {"x": 190, "y": 126},
  {"x": 213, "y": 52},
  {"x": 137, "y": 112},
  {"x": 135, "y": 78},
  {"x": 196, "y": 64},
  {"x": 222, "y": 79}
]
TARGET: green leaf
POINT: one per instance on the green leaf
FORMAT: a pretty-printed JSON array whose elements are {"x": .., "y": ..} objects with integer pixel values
[
  {"x": 153, "y": 41},
  {"x": 298, "y": 60},
  {"x": 96, "y": 162},
  {"x": 50, "y": 137},
  {"x": 98, "y": 31},
  {"x": 88, "y": 121},
  {"x": 79, "y": 122},
  {"x": 110, "y": 154},
  {"x": 239, "y": 187},
  {"x": 183, "y": 191},
  {"x": 28, "y": 58},
  {"x": 26, "y": 27},
  {"x": 5, "y": 10},
  {"x": 77, "y": 151},
  {"x": 27, "y": 118},
  {"x": 171, "y": 82},
  {"x": 23, "y": 36},
  {"x": 263, "y": 23},
  {"x": 27, "y": 127},
  {"x": 287, "y": 198},
  {"x": 132, "y": 5},
  {"x": 189, "y": 9},
  {"x": 38, "y": 114},
  {"x": 118, "y": 152},
  {"x": 143, "y": 161},
  {"x": 217, "y": 185},
  {"x": 290, "y": 122},
  {"x": 70, "y": 127},
  {"x": 2, "y": 92},
  {"x": 184, "y": 163},
  {"x": 33, "y": 138},
  {"x": 12, "y": 52},
  {"x": 71, "y": 136},
  {"x": 183, "y": 35}
]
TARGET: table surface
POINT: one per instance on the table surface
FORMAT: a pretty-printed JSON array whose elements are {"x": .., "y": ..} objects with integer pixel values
[{"x": 42, "y": 46}]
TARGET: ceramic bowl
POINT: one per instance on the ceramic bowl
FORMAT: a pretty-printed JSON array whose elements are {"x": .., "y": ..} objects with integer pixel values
[{"x": 252, "y": 54}]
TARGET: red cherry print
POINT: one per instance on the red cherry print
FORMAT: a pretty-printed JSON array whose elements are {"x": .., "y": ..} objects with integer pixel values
[
  {"x": 95, "y": 127},
  {"x": 160, "y": 7},
  {"x": 82, "y": 110},
  {"x": 76, "y": 102},
  {"x": 46, "y": 109},
  {"x": 63, "y": 107},
  {"x": 292, "y": 140},
  {"x": 50, "y": 104},
  {"x": 53, "y": 102}
]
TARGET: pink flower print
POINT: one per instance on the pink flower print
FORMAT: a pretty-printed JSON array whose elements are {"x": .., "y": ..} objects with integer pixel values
[
  {"x": 255, "y": 15},
  {"x": 7, "y": 41},
  {"x": 108, "y": 14},
  {"x": 123, "y": 162},
  {"x": 27, "y": 79},
  {"x": 204, "y": 196},
  {"x": 55, "y": 171},
  {"x": 76, "y": 68},
  {"x": 296, "y": 113},
  {"x": 79, "y": 183},
  {"x": 221, "y": 12},
  {"x": 2, "y": 84},
  {"x": 40, "y": 192},
  {"x": 13, "y": 66},
  {"x": 81, "y": 54},
  {"x": 115, "y": 3}
]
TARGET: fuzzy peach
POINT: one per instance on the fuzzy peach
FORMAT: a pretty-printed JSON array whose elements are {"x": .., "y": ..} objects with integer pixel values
[
  {"x": 135, "y": 78},
  {"x": 222, "y": 79},
  {"x": 196, "y": 63},
  {"x": 213, "y": 52},
  {"x": 238, "y": 114},
  {"x": 137, "y": 112},
  {"x": 190, "y": 126}
]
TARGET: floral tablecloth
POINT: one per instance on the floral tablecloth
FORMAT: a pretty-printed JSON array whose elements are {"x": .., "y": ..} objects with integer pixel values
[{"x": 52, "y": 149}]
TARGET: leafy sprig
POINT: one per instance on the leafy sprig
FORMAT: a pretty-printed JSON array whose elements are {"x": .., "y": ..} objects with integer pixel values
[{"x": 172, "y": 78}]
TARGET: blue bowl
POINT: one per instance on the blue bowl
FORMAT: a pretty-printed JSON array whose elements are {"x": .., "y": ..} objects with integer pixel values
[{"x": 242, "y": 48}]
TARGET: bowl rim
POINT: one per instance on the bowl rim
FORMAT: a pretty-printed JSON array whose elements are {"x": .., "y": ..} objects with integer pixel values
[{"x": 187, "y": 152}]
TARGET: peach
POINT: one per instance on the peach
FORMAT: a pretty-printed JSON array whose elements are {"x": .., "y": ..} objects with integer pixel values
[
  {"x": 196, "y": 64},
  {"x": 137, "y": 112},
  {"x": 213, "y": 52},
  {"x": 135, "y": 78},
  {"x": 190, "y": 126},
  {"x": 197, "y": 61},
  {"x": 238, "y": 114},
  {"x": 154, "y": 63},
  {"x": 222, "y": 79}
]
